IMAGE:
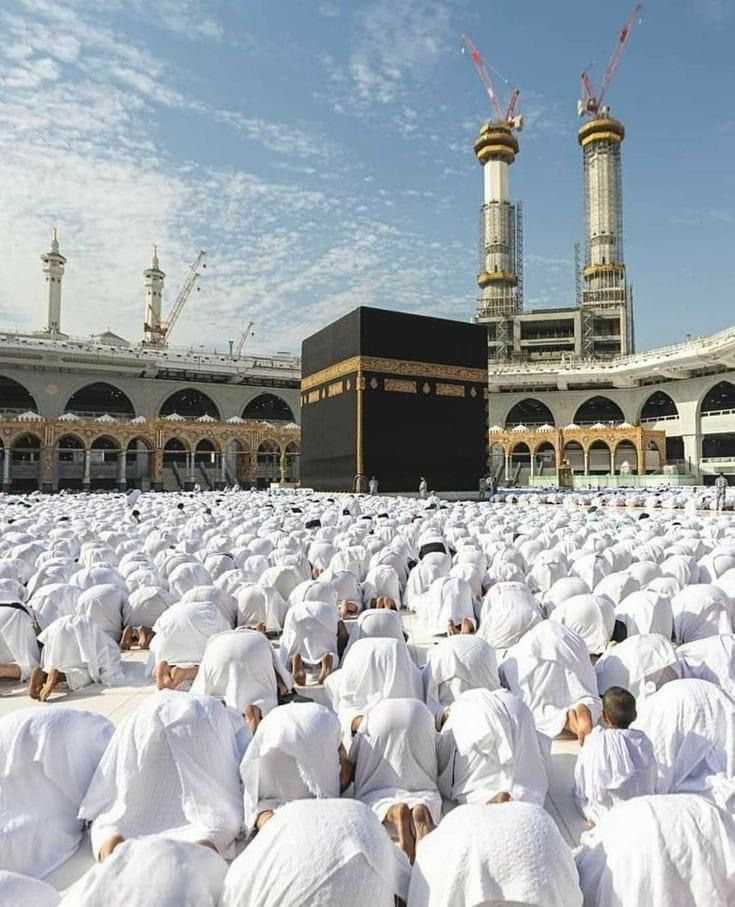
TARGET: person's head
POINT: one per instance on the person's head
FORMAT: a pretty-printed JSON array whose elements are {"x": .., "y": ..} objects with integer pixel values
[
  {"x": 618, "y": 708},
  {"x": 180, "y": 505}
]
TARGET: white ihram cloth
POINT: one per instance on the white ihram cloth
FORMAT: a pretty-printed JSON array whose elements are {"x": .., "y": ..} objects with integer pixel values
[
  {"x": 171, "y": 769},
  {"x": 617, "y": 587},
  {"x": 104, "y": 604},
  {"x": 420, "y": 579},
  {"x": 592, "y": 617},
  {"x": 508, "y": 611},
  {"x": 310, "y": 630},
  {"x": 394, "y": 754},
  {"x": 701, "y": 611},
  {"x": 152, "y": 872},
  {"x": 78, "y": 648},
  {"x": 646, "y": 612},
  {"x": 677, "y": 851},
  {"x": 322, "y": 853},
  {"x": 375, "y": 669},
  {"x": 222, "y": 599},
  {"x": 47, "y": 758},
  {"x": 182, "y": 632},
  {"x": 511, "y": 853},
  {"x": 691, "y": 724},
  {"x": 458, "y": 663},
  {"x": 18, "y": 643},
  {"x": 614, "y": 765},
  {"x": 292, "y": 756},
  {"x": 550, "y": 669},
  {"x": 710, "y": 659},
  {"x": 488, "y": 745},
  {"x": 381, "y": 580},
  {"x": 145, "y": 605},
  {"x": 447, "y": 599},
  {"x": 239, "y": 667},
  {"x": 52, "y": 601},
  {"x": 640, "y": 664},
  {"x": 258, "y": 604},
  {"x": 376, "y": 623},
  {"x": 24, "y": 891}
]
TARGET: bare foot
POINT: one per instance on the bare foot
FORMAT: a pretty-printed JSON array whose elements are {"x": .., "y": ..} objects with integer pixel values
[
  {"x": 347, "y": 609},
  {"x": 52, "y": 678},
  {"x": 9, "y": 672},
  {"x": 327, "y": 665},
  {"x": 182, "y": 675},
  {"x": 579, "y": 722},
  {"x": 422, "y": 822},
  {"x": 451, "y": 631},
  {"x": 162, "y": 675},
  {"x": 346, "y": 769},
  {"x": 108, "y": 846},
  {"x": 261, "y": 628},
  {"x": 355, "y": 724},
  {"x": 253, "y": 716},
  {"x": 399, "y": 816},
  {"x": 297, "y": 669},
  {"x": 145, "y": 637},
  {"x": 281, "y": 686},
  {"x": 502, "y": 797},
  {"x": 262, "y": 818},
  {"x": 386, "y": 603},
  {"x": 128, "y": 637},
  {"x": 38, "y": 679},
  {"x": 467, "y": 627}
]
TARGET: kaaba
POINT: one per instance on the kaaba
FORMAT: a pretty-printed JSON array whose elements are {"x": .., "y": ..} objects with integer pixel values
[{"x": 395, "y": 396}]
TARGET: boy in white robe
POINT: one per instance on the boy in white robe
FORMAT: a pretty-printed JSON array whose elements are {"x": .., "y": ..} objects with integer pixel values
[
  {"x": 171, "y": 769},
  {"x": 395, "y": 769},
  {"x": 489, "y": 750},
  {"x": 617, "y": 762},
  {"x": 295, "y": 754},
  {"x": 75, "y": 652},
  {"x": 47, "y": 759}
]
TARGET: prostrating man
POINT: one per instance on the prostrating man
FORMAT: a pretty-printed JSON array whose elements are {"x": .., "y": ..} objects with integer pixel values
[
  {"x": 47, "y": 759},
  {"x": 171, "y": 769}
]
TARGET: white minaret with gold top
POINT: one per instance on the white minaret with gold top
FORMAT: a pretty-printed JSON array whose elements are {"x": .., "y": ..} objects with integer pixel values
[
  {"x": 154, "y": 279},
  {"x": 53, "y": 269}
]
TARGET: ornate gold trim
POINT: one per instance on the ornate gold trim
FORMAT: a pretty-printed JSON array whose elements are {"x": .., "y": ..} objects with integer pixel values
[
  {"x": 403, "y": 387},
  {"x": 405, "y": 367},
  {"x": 335, "y": 389},
  {"x": 450, "y": 390}
]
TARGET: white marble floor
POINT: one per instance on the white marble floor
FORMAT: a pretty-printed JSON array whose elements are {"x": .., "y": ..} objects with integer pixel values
[{"x": 118, "y": 702}]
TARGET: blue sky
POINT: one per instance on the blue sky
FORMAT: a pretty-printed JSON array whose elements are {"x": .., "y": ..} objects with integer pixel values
[{"x": 321, "y": 151}]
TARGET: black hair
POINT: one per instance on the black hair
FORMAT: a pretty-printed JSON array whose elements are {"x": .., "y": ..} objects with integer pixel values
[{"x": 618, "y": 706}]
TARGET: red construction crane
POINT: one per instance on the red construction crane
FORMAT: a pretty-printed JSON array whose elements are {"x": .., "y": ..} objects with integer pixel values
[
  {"x": 591, "y": 103},
  {"x": 510, "y": 117}
]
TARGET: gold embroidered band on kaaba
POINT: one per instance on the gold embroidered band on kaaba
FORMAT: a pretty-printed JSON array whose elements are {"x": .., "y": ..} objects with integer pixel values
[{"x": 393, "y": 367}]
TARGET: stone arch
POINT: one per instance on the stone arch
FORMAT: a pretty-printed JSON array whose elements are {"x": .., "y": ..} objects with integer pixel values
[
  {"x": 598, "y": 409},
  {"x": 720, "y": 397},
  {"x": 268, "y": 462},
  {"x": 191, "y": 403},
  {"x": 573, "y": 453},
  {"x": 626, "y": 452},
  {"x": 100, "y": 398},
  {"x": 175, "y": 451},
  {"x": 293, "y": 458},
  {"x": 658, "y": 405},
  {"x": 599, "y": 458},
  {"x": 544, "y": 456},
  {"x": 237, "y": 459},
  {"x": 206, "y": 451},
  {"x": 268, "y": 408},
  {"x": 15, "y": 397},
  {"x": 520, "y": 455},
  {"x": 25, "y": 461},
  {"x": 139, "y": 453},
  {"x": 529, "y": 411}
]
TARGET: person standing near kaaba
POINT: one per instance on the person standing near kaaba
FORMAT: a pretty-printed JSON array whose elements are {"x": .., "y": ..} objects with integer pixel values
[
  {"x": 423, "y": 488},
  {"x": 373, "y": 486}
]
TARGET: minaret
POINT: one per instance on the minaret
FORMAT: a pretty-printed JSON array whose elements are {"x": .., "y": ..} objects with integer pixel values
[
  {"x": 500, "y": 230},
  {"x": 53, "y": 268},
  {"x": 154, "y": 278},
  {"x": 607, "y": 319}
]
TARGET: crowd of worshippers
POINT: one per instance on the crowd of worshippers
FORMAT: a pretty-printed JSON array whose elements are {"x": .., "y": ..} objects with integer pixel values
[{"x": 423, "y": 782}]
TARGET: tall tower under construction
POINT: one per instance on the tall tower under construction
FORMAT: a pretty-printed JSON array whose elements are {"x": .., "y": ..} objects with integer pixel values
[
  {"x": 500, "y": 275},
  {"x": 607, "y": 322}
]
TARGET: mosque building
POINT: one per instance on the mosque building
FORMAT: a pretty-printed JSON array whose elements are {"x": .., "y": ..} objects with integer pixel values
[{"x": 104, "y": 413}]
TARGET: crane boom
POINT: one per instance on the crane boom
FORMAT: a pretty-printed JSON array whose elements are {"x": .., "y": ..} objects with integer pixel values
[
  {"x": 244, "y": 338},
  {"x": 484, "y": 75},
  {"x": 185, "y": 292},
  {"x": 592, "y": 103}
]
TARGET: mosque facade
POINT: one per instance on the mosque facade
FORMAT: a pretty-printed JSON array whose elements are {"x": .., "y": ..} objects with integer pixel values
[{"x": 101, "y": 412}]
